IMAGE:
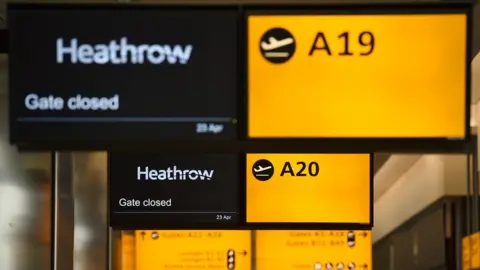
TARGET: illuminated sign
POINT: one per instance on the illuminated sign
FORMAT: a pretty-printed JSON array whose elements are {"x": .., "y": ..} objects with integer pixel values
[
  {"x": 200, "y": 249},
  {"x": 120, "y": 83},
  {"x": 466, "y": 257},
  {"x": 316, "y": 250},
  {"x": 357, "y": 76},
  {"x": 163, "y": 191},
  {"x": 304, "y": 187}
]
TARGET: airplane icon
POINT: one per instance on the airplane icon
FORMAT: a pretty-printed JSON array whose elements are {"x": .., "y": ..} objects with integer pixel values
[
  {"x": 261, "y": 169},
  {"x": 273, "y": 44}
]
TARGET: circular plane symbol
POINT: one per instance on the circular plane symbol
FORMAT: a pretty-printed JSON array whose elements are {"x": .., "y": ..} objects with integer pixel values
[
  {"x": 277, "y": 45},
  {"x": 262, "y": 170}
]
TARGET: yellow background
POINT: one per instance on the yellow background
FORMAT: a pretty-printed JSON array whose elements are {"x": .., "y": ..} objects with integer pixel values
[
  {"x": 128, "y": 251},
  {"x": 274, "y": 249},
  {"x": 339, "y": 194},
  {"x": 156, "y": 254},
  {"x": 474, "y": 250},
  {"x": 412, "y": 85},
  {"x": 466, "y": 258}
]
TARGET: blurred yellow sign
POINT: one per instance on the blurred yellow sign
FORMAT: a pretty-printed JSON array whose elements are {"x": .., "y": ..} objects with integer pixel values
[
  {"x": 127, "y": 248},
  {"x": 474, "y": 250},
  {"x": 466, "y": 258},
  {"x": 202, "y": 249},
  {"x": 320, "y": 188},
  {"x": 313, "y": 250},
  {"x": 357, "y": 76}
]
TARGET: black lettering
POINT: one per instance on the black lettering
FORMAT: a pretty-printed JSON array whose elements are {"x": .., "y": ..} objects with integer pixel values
[
  {"x": 287, "y": 168},
  {"x": 346, "y": 51},
  {"x": 300, "y": 172},
  {"x": 315, "y": 46},
  {"x": 369, "y": 42},
  {"x": 313, "y": 169}
]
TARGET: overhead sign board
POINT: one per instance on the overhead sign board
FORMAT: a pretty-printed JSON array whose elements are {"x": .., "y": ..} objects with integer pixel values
[
  {"x": 302, "y": 188},
  {"x": 166, "y": 250},
  {"x": 355, "y": 74},
  {"x": 151, "y": 190},
  {"x": 125, "y": 74},
  {"x": 317, "y": 250}
]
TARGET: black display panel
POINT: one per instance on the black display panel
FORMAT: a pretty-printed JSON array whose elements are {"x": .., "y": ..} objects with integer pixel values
[
  {"x": 122, "y": 73},
  {"x": 150, "y": 190}
]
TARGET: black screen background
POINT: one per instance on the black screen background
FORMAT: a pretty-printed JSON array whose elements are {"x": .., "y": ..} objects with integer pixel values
[
  {"x": 221, "y": 194},
  {"x": 204, "y": 87}
]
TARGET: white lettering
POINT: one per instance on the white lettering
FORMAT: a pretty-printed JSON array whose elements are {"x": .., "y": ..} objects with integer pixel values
[
  {"x": 79, "y": 103},
  {"x": 193, "y": 175},
  {"x": 140, "y": 173},
  {"x": 129, "y": 203},
  {"x": 173, "y": 173},
  {"x": 121, "y": 52},
  {"x": 85, "y": 54},
  {"x": 102, "y": 56},
  {"x": 161, "y": 203},
  {"x": 155, "y": 54},
  {"x": 61, "y": 50},
  {"x": 34, "y": 102}
]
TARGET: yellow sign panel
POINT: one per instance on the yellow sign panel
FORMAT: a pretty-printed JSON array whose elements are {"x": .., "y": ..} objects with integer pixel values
[
  {"x": 127, "y": 251},
  {"x": 202, "y": 249},
  {"x": 475, "y": 250},
  {"x": 466, "y": 258},
  {"x": 357, "y": 76},
  {"x": 304, "y": 187},
  {"x": 313, "y": 250}
]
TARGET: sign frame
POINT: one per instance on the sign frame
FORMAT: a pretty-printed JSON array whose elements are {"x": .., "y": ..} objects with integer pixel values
[
  {"x": 309, "y": 225},
  {"x": 243, "y": 143},
  {"x": 375, "y": 144},
  {"x": 92, "y": 144},
  {"x": 187, "y": 221}
]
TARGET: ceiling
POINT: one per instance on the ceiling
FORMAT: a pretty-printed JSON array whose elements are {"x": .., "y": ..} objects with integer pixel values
[{"x": 379, "y": 160}]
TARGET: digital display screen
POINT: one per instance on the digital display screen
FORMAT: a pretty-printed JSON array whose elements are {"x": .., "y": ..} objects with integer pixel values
[
  {"x": 171, "y": 191},
  {"x": 302, "y": 188},
  {"x": 357, "y": 76},
  {"x": 87, "y": 73}
]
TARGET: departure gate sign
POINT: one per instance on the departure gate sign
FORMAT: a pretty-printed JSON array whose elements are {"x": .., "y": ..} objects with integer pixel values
[
  {"x": 125, "y": 74},
  {"x": 332, "y": 189},
  {"x": 357, "y": 75},
  {"x": 316, "y": 250}
]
